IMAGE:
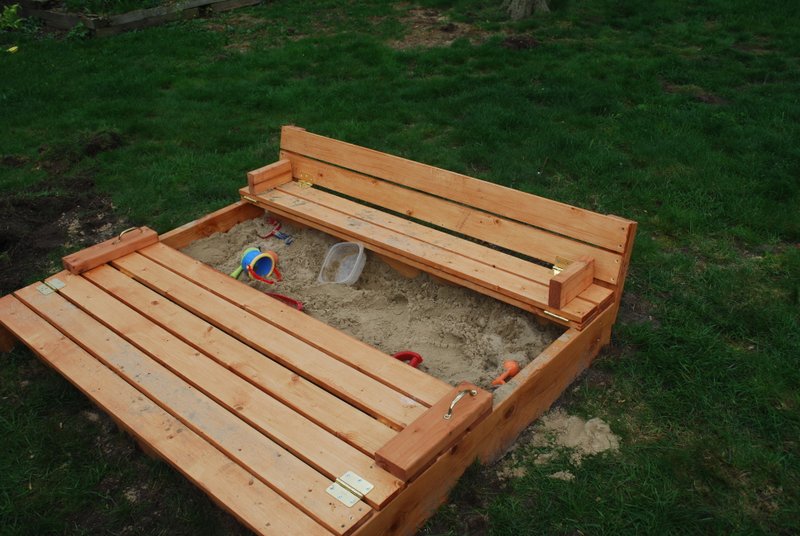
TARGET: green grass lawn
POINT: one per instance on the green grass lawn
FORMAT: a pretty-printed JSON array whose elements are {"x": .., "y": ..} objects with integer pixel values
[{"x": 685, "y": 118}]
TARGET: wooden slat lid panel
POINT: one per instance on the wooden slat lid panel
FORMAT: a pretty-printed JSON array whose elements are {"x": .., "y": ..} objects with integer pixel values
[
  {"x": 511, "y": 235},
  {"x": 475, "y": 252},
  {"x": 334, "y": 376},
  {"x": 327, "y": 410},
  {"x": 316, "y": 446},
  {"x": 252, "y": 502},
  {"x": 605, "y": 231},
  {"x": 282, "y": 471},
  {"x": 465, "y": 267}
]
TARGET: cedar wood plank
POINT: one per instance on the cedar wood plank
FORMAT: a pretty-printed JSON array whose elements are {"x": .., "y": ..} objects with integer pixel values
[
  {"x": 254, "y": 504},
  {"x": 218, "y": 221},
  {"x": 459, "y": 246},
  {"x": 346, "y": 422},
  {"x": 269, "y": 176},
  {"x": 276, "y": 467},
  {"x": 126, "y": 242},
  {"x": 571, "y": 281}
]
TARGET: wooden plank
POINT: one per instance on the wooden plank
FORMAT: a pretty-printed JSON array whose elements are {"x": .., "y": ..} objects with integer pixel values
[
  {"x": 334, "y": 376},
  {"x": 62, "y": 21},
  {"x": 7, "y": 339},
  {"x": 465, "y": 268},
  {"x": 268, "y": 177},
  {"x": 219, "y": 221},
  {"x": 570, "y": 282},
  {"x": 626, "y": 261},
  {"x": 416, "y": 447},
  {"x": 142, "y": 15},
  {"x": 328, "y": 411},
  {"x": 491, "y": 258},
  {"x": 465, "y": 220},
  {"x": 126, "y": 242},
  {"x": 228, "y": 5},
  {"x": 254, "y": 504},
  {"x": 407, "y": 380},
  {"x": 302, "y": 437},
  {"x": 577, "y": 223},
  {"x": 602, "y": 296},
  {"x": 343, "y": 235},
  {"x": 110, "y": 27},
  {"x": 525, "y": 399},
  {"x": 276, "y": 467}
]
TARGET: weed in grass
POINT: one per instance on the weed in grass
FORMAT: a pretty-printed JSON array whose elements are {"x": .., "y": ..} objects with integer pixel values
[{"x": 9, "y": 18}]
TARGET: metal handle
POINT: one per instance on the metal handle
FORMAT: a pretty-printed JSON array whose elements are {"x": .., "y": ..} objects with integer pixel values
[
  {"x": 126, "y": 231},
  {"x": 459, "y": 396}
]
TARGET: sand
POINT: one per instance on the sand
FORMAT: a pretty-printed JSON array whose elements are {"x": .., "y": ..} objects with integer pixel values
[
  {"x": 557, "y": 429},
  {"x": 462, "y": 335},
  {"x": 555, "y": 433}
]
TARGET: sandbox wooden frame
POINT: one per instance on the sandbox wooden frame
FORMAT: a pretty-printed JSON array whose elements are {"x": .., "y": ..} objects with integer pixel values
[{"x": 486, "y": 428}]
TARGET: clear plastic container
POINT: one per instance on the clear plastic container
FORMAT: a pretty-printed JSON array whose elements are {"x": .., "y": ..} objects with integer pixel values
[{"x": 343, "y": 263}]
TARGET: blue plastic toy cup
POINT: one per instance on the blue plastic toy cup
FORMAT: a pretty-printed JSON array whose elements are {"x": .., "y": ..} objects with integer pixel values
[{"x": 258, "y": 264}]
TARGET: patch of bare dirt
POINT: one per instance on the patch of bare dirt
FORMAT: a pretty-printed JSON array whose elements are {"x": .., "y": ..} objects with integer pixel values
[
  {"x": 696, "y": 92},
  {"x": 64, "y": 210},
  {"x": 431, "y": 28},
  {"x": 241, "y": 48},
  {"x": 520, "y": 42},
  {"x": 13, "y": 160},
  {"x": 235, "y": 20},
  {"x": 636, "y": 310},
  {"x": 758, "y": 46}
]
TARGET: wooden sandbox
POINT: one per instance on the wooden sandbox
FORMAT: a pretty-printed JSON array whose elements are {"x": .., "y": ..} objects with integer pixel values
[{"x": 291, "y": 425}]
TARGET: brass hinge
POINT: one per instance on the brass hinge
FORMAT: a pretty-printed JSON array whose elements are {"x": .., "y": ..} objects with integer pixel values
[
  {"x": 555, "y": 315},
  {"x": 349, "y": 489},
  {"x": 248, "y": 198},
  {"x": 304, "y": 181},
  {"x": 560, "y": 264}
]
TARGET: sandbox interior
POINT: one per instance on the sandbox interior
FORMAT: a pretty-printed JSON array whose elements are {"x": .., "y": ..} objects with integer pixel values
[{"x": 461, "y": 335}]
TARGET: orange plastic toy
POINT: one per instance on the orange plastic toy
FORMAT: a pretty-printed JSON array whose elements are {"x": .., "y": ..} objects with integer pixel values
[{"x": 512, "y": 368}]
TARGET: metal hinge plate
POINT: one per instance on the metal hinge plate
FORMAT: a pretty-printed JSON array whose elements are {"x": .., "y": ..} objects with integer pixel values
[
  {"x": 55, "y": 283},
  {"x": 560, "y": 264},
  {"x": 304, "y": 181},
  {"x": 44, "y": 289},
  {"x": 48, "y": 287},
  {"x": 349, "y": 489}
]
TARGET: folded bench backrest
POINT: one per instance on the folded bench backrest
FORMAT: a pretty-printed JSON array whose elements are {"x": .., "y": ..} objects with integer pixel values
[{"x": 517, "y": 221}]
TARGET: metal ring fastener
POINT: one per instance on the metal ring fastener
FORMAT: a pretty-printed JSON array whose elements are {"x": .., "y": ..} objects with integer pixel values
[
  {"x": 459, "y": 396},
  {"x": 126, "y": 231}
]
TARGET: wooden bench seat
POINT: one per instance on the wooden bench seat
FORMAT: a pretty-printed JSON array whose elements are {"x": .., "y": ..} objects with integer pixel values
[{"x": 442, "y": 222}]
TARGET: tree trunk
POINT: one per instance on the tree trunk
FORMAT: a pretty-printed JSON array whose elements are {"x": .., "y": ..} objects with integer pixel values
[{"x": 519, "y": 9}]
